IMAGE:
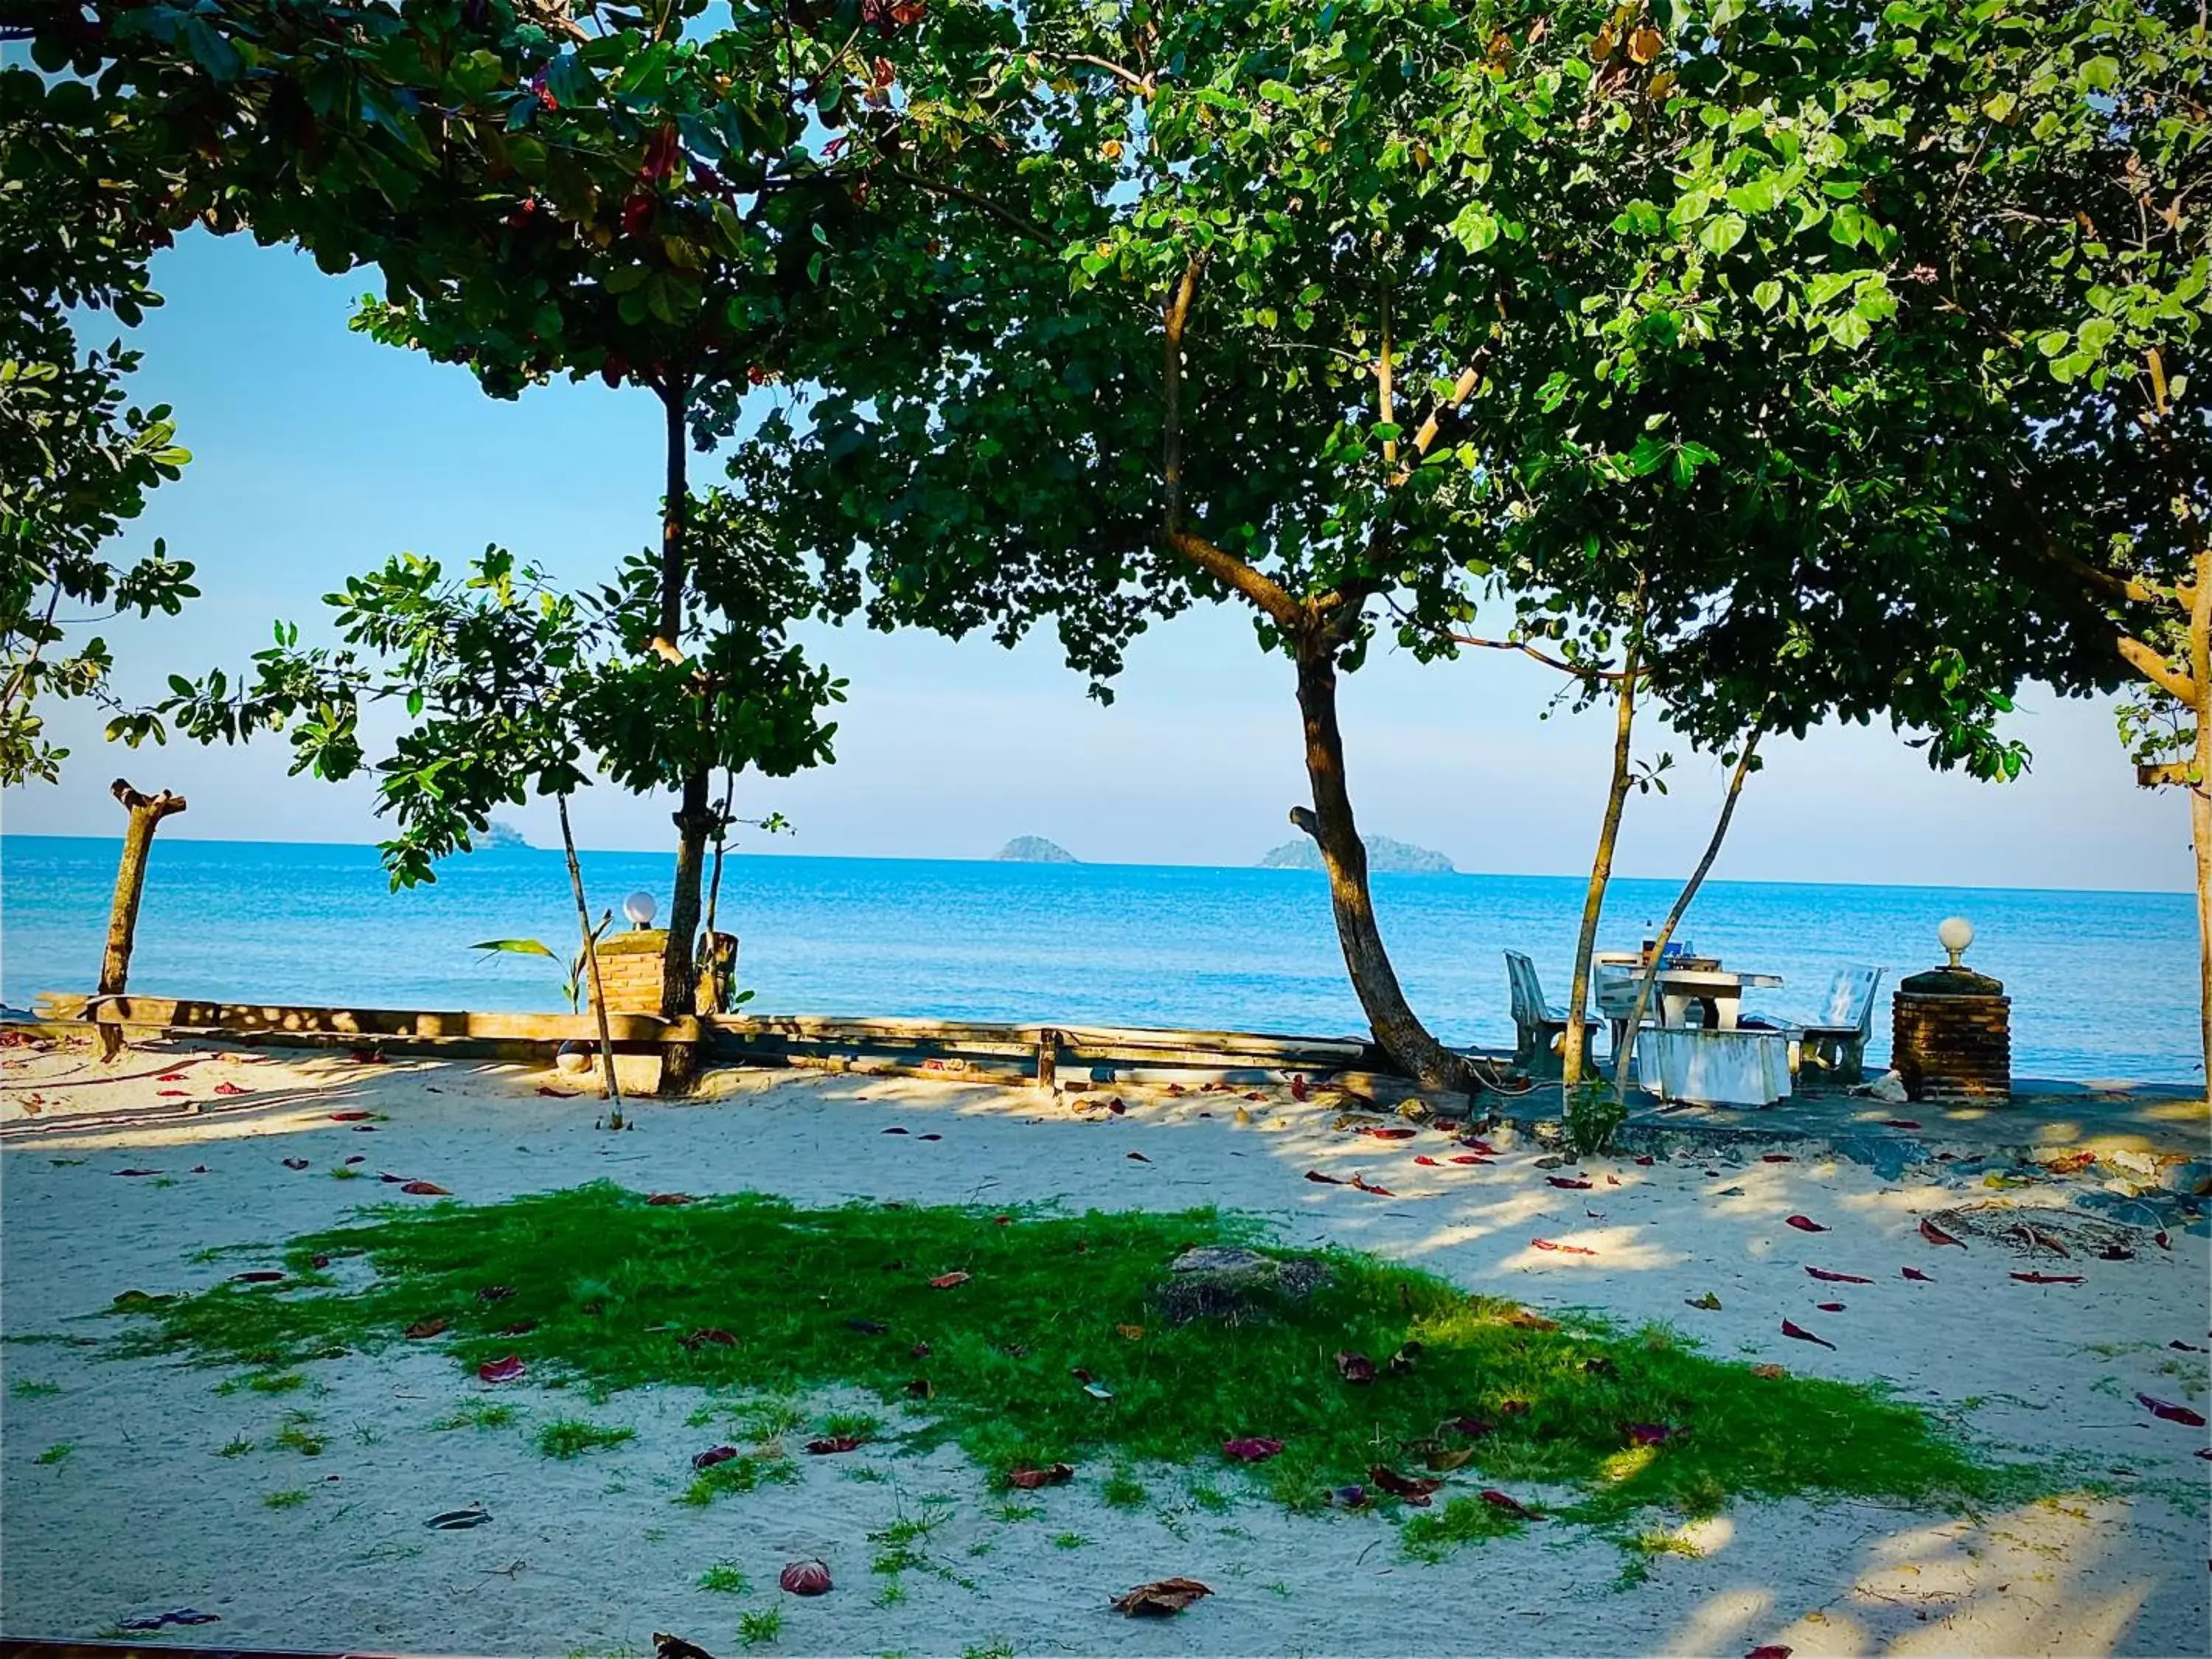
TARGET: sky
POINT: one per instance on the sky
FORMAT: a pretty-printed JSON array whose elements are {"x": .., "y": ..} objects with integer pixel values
[{"x": 318, "y": 453}]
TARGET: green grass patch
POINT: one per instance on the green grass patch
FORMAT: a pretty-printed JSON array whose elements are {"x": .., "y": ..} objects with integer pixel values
[
  {"x": 568, "y": 1436},
  {"x": 758, "y": 1629},
  {"x": 726, "y": 1578},
  {"x": 57, "y": 1453},
  {"x": 24, "y": 1387},
  {"x": 606, "y": 1292},
  {"x": 284, "y": 1500},
  {"x": 297, "y": 1436},
  {"x": 238, "y": 1447},
  {"x": 477, "y": 1414}
]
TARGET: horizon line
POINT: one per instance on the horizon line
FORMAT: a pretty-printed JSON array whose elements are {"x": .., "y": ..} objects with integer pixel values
[{"x": 1075, "y": 863}]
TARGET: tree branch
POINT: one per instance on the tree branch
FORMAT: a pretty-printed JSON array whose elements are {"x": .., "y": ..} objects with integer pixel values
[
  {"x": 1178, "y": 316},
  {"x": 2146, "y": 662},
  {"x": 1139, "y": 83},
  {"x": 1013, "y": 221}
]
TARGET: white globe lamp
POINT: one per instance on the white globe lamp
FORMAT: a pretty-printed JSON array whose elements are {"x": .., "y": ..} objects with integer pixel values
[
  {"x": 639, "y": 908},
  {"x": 1955, "y": 934}
]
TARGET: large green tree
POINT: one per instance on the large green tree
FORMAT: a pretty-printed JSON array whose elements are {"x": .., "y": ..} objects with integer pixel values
[{"x": 1371, "y": 314}]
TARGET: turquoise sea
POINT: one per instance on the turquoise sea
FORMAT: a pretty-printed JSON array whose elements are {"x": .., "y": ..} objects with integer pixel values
[{"x": 2103, "y": 984}]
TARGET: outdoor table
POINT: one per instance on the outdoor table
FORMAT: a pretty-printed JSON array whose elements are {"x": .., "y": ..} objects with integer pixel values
[{"x": 1718, "y": 993}]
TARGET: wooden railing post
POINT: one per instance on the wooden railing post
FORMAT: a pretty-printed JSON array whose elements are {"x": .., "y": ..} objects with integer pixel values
[
  {"x": 147, "y": 813},
  {"x": 1048, "y": 1072}
]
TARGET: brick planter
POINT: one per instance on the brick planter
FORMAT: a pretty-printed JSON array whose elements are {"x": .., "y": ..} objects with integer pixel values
[
  {"x": 629, "y": 967},
  {"x": 1951, "y": 1038}
]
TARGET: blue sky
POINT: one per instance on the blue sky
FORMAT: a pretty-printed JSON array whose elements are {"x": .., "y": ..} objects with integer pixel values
[{"x": 318, "y": 453}]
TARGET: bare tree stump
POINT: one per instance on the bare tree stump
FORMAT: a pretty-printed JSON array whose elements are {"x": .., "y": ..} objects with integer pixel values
[{"x": 147, "y": 813}]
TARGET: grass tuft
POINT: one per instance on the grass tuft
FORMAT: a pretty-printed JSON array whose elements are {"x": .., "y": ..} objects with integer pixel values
[
  {"x": 609, "y": 1292},
  {"x": 569, "y": 1437},
  {"x": 725, "y": 1578},
  {"x": 285, "y": 1500},
  {"x": 757, "y": 1629},
  {"x": 57, "y": 1453},
  {"x": 24, "y": 1387}
]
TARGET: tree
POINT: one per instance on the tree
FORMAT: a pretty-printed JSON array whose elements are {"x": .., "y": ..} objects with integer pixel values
[
  {"x": 497, "y": 673},
  {"x": 545, "y": 194},
  {"x": 78, "y": 195},
  {"x": 1310, "y": 310}
]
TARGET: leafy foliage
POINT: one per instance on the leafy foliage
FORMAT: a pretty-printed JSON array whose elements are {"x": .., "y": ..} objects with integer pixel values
[{"x": 80, "y": 190}]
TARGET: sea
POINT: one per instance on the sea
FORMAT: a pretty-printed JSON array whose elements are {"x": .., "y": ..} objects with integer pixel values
[{"x": 2103, "y": 984}]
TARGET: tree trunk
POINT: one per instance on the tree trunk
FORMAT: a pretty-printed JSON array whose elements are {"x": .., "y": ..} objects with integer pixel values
[
  {"x": 1601, "y": 874},
  {"x": 1651, "y": 974},
  {"x": 591, "y": 962},
  {"x": 2200, "y": 796},
  {"x": 680, "y": 964},
  {"x": 1334, "y": 832},
  {"x": 147, "y": 813}
]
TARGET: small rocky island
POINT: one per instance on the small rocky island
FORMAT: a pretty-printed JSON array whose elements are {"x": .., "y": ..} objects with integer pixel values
[
  {"x": 1035, "y": 849},
  {"x": 1385, "y": 857}
]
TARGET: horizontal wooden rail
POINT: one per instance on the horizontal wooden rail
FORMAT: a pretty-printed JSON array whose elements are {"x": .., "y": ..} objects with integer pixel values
[{"x": 973, "y": 1050}]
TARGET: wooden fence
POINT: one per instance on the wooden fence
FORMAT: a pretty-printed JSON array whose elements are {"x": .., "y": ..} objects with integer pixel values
[{"x": 968, "y": 1050}]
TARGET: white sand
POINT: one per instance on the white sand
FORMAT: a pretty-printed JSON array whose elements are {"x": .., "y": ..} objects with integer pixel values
[{"x": 143, "y": 1514}]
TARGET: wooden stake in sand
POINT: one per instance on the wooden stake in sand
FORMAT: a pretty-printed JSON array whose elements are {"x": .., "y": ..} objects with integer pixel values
[{"x": 147, "y": 813}]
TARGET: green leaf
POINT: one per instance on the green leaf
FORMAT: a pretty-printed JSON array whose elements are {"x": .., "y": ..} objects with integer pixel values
[
  {"x": 519, "y": 947},
  {"x": 1767, "y": 295},
  {"x": 1721, "y": 232}
]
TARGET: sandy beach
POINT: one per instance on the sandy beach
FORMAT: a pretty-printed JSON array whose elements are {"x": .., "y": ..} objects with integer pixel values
[{"x": 120, "y": 1503}]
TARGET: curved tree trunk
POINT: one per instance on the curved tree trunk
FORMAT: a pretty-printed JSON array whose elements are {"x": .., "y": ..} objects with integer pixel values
[
  {"x": 591, "y": 963},
  {"x": 2200, "y": 796},
  {"x": 1330, "y": 822},
  {"x": 147, "y": 813},
  {"x": 1608, "y": 836},
  {"x": 1650, "y": 977},
  {"x": 679, "y": 962}
]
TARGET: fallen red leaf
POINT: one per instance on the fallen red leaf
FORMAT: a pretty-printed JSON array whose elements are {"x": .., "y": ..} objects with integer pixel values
[
  {"x": 1477, "y": 1144},
  {"x": 228, "y": 1088},
  {"x": 350, "y": 1117},
  {"x": 830, "y": 1445},
  {"x": 1935, "y": 1234},
  {"x": 1829, "y": 1307},
  {"x": 1647, "y": 1160},
  {"x": 1414, "y": 1489},
  {"x": 1915, "y": 1274},
  {"x": 1804, "y": 1335},
  {"x": 1389, "y": 1133},
  {"x": 1899, "y": 1123},
  {"x": 426, "y": 1189},
  {"x": 1324, "y": 1180},
  {"x": 1823, "y": 1274},
  {"x": 2048, "y": 1278},
  {"x": 509, "y": 1369},
  {"x": 2170, "y": 1411},
  {"x": 1469, "y": 1157},
  {"x": 1366, "y": 1186},
  {"x": 1775, "y": 1650},
  {"x": 422, "y": 1329},
  {"x": 1775, "y": 1158},
  {"x": 302, "y": 1165},
  {"x": 1564, "y": 1249},
  {"x": 708, "y": 1335},
  {"x": 1569, "y": 1182},
  {"x": 1137, "y": 1157},
  {"x": 170, "y": 1094},
  {"x": 932, "y": 1137},
  {"x": 2160, "y": 1239},
  {"x": 1116, "y": 1107},
  {"x": 669, "y": 1198},
  {"x": 1348, "y": 1497},
  {"x": 1804, "y": 1224},
  {"x": 894, "y": 1130},
  {"x": 1028, "y": 1480},
  {"x": 1512, "y": 1506},
  {"x": 367, "y": 1057},
  {"x": 946, "y": 1281},
  {"x": 199, "y": 1169},
  {"x": 556, "y": 1094},
  {"x": 2185, "y": 1347},
  {"x": 1298, "y": 1087},
  {"x": 1355, "y": 1367},
  {"x": 712, "y": 1455},
  {"x": 1251, "y": 1448},
  {"x": 1653, "y": 1434},
  {"x": 258, "y": 1276},
  {"x": 1472, "y": 1427},
  {"x": 1160, "y": 1599},
  {"x": 170, "y": 1077},
  {"x": 805, "y": 1579}
]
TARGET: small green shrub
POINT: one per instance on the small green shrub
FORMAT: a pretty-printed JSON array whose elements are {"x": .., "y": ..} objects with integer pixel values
[
  {"x": 758, "y": 1629},
  {"x": 1593, "y": 1117},
  {"x": 725, "y": 1578},
  {"x": 568, "y": 1436}
]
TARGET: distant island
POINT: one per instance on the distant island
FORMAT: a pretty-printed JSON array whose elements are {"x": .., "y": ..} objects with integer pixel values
[
  {"x": 1385, "y": 857},
  {"x": 1035, "y": 849},
  {"x": 501, "y": 837}
]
